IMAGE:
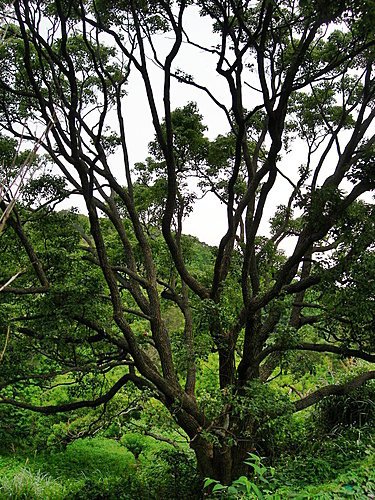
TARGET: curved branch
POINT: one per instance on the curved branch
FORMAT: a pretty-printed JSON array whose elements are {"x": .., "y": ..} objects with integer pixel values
[
  {"x": 52, "y": 409},
  {"x": 333, "y": 390},
  {"x": 16, "y": 225},
  {"x": 305, "y": 346},
  {"x": 33, "y": 290}
]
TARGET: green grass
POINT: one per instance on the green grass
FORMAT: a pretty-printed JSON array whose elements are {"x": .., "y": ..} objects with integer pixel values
[
  {"x": 29, "y": 484},
  {"x": 97, "y": 456},
  {"x": 89, "y": 468}
]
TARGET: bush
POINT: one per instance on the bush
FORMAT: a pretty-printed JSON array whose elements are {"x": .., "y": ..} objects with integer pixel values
[
  {"x": 357, "y": 482},
  {"x": 105, "y": 488},
  {"x": 102, "y": 469},
  {"x": 168, "y": 473},
  {"x": 96, "y": 468},
  {"x": 20, "y": 430},
  {"x": 96, "y": 456},
  {"x": 354, "y": 409},
  {"x": 325, "y": 458},
  {"x": 243, "y": 487},
  {"x": 135, "y": 443}
]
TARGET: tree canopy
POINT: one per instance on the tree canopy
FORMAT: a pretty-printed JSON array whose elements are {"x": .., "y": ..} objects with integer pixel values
[{"x": 122, "y": 296}]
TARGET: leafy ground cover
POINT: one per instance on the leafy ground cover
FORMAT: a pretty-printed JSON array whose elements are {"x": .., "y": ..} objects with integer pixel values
[
  {"x": 138, "y": 467},
  {"x": 100, "y": 468},
  {"x": 340, "y": 467},
  {"x": 327, "y": 453}
]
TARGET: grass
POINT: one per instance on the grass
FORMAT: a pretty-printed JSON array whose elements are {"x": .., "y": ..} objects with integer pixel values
[
  {"x": 89, "y": 468},
  {"x": 27, "y": 484},
  {"x": 357, "y": 482}
]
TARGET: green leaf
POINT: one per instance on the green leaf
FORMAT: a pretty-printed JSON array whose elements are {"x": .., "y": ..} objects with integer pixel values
[
  {"x": 259, "y": 470},
  {"x": 232, "y": 490},
  {"x": 348, "y": 487},
  {"x": 219, "y": 487},
  {"x": 208, "y": 481},
  {"x": 257, "y": 491},
  {"x": 242, "y": 480}
]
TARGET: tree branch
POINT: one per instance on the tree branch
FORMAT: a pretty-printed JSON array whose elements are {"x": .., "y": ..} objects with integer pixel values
[
  {"x": 305, "y": 346},
  {"x": 333, "y": 390},
  {"x": 52, "y": 409}
]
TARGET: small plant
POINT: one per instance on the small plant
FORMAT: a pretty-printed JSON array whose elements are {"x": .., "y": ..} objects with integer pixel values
[{"x": 243, "y": 487}]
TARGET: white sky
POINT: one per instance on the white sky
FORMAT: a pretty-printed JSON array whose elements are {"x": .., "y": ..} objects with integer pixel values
[{"x": 208, "y": 220}]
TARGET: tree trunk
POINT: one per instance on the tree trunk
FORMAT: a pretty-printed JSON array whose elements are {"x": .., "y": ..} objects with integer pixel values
[{"x": 221, "y": 462}]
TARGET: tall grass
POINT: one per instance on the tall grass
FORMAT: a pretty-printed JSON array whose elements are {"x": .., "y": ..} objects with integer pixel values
[{"x": 27, "y": 484}]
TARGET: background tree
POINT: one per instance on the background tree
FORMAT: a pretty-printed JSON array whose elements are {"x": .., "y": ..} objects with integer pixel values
[{"x": 297, "y": 73}]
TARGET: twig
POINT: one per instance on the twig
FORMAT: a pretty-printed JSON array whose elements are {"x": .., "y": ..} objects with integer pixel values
[
  {"x": 5, "y": 345},
  {"x": 11, "y": 280}
]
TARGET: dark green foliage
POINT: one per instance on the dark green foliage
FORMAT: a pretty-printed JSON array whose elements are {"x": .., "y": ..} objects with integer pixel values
[
  {"x": 103, "y": 469},
  {"x": 85, "y": 456},
  {"x": 136, "y": 443},
  {"x": 169, "y": 473},
  {"x": 44, "y": 189},
  {"x": 20, "y": 432},
  {"x": 326, "y": 457},
  {"x": 352, "y": 410}
]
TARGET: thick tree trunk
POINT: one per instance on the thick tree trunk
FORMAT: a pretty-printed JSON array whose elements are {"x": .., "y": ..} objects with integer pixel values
[
  {"x": 204, "y": 454},
  {"x": 223, "y": 463}
]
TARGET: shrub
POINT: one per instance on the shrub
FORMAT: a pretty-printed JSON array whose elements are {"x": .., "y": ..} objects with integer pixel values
[
  {"x": 100, "y": 456},
  {"x": 243, "y": 487},
  {"x": 358, "y": 482},
  {"x": 168, "y": 473},
  {"x": 105, "y": 488},
  {"x": 325, "y": 458},
  {"x": 135, "y": 443},
  {"x": 354, "y": 409}
]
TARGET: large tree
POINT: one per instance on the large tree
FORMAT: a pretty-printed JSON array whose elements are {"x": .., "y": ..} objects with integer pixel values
[{"x": 298, "y": 74}]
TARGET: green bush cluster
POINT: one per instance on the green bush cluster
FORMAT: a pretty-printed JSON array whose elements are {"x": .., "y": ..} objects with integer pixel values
[
  {"x": 325, "y": 453},
  {"x": 162, "y": 471},
  {"x": 99, "y": 468}
]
